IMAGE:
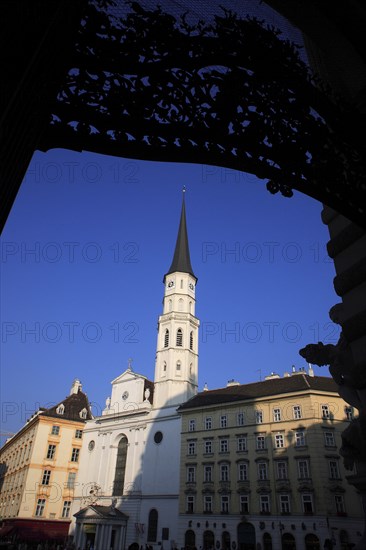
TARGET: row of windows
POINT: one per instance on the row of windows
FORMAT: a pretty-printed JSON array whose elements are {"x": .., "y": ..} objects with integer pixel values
[
  {"x": 55, "y": 430},
  {"x": 264, "y": 504},
  {"x": 257, "y": 417},
  {"x": 19, "y": 456},
  {"x": 178, "y": 339},
  {"x": 51, "y": 453},
  {"x": 41, "y": 505},
  {"x": 281, "y": 470},
  {"x": 260, "y": 442},
  {"x": 46, "y": 478}
]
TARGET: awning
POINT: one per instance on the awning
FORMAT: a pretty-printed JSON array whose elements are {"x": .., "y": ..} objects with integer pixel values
[{"x": 6, "y": 530}]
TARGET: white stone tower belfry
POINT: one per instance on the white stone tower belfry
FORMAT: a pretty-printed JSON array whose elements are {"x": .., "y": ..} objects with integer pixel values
[{"x": 176, "y": 367}]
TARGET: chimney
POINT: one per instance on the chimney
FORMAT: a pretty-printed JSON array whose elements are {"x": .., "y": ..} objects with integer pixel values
[
  {"x": 232, "y": 382},
  {"x": 205, "y": 387},
  {"x": 76, "y": 386},
  {"x": 311, "y": 370}
]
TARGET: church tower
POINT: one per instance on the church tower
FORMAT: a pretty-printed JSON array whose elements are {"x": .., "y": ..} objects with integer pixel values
[{"x": 176, "y": 367}]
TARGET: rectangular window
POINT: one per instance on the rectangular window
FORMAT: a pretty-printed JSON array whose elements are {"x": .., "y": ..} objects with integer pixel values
[
  {"x": 75, "y": 455},
  {"x": 55, "y": 430},
  {"x": 51, "y": 452},
  {"x": 329, "y": 439},
  {"x": 224, "y": 472},
  {"x": 258, "y": 417},
  {"x": 224, "y": 445},
  {"x": 225, "y": 504},
  {"x": 279, "y": 441},
  {"x": 349, "y": 412},
  {"x": 282, "y": 470},
  {"x": 66, "y": 509},
  {"x": 339, "y": 504},
  {"x": 303, "y": 467},
  {"x": 262, "y": 471},
  {"x": 240, "y": 420},
  {"x": 223, "y": 421},
  {"x": 41, "y": 503},
  {"x": 241, "y": 443},
  {"x": 297, "y": 412},
  {"x": 70, "y": 484},
  {"x": 276, "y": 415},
  {"x": 242, "y": 472},
  {"x": 46, "y": 477},
  {"x": 207, "y": 473},
  {"x": 285, "y": 504},
  {"x": 208, "y": 423},
  {"x": 244, "y": 504},
  {"x": 334, "y": 469},
  {"x": 264, "y": 504},
  {"x": 192, "y": 425},
  {"x": 191, "y": 474},
  {"x": 207, "y": 503},
  {"x": 260, "y": 442},
  {"x": 190, "y": 504},
  {"x": 325, "y": 411},
  {"x": 208, "y": 447},
  {"x": 191, "y": 447},
  {"x": 307, "y": 504},
  {"x": 78, "y": 434},
  {"x": 300, "y": 438}
]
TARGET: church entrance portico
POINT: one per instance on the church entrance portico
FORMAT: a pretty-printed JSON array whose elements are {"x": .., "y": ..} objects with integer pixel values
[{"x": 100, "y": 527}]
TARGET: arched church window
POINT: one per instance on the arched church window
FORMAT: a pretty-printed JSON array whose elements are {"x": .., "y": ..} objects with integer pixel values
[
  {"x": 119, "y": 477},
  {"x": 191, "y": 370},
  {"x": 152, "y": 527},
  {"x": 166, "y": 338},
  {"x": 170, "y": 305},
  {"x": 180, "y": 305},
  {"x": 191, "y": 340},
  {"x": 179, "y": 366},
  {"x": 190, "y": 307},
  {"x": 179, "y": 337},
  {"x": 164, "y": 368}
]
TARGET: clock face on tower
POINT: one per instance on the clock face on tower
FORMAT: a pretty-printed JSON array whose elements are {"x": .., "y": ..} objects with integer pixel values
[
  {"x": 170, "y": 283},
  {"x": 191, "y": 286}
]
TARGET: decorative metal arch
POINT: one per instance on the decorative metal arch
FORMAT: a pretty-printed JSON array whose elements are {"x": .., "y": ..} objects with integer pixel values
[{"x": 147, "y": 85}]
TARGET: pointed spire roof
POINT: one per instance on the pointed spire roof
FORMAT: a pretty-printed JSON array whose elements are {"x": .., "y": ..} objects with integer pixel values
[{"x": 182, "y": 260}]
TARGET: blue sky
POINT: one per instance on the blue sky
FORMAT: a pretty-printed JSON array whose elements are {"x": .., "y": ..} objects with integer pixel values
[{"x": 103, "y": 232}]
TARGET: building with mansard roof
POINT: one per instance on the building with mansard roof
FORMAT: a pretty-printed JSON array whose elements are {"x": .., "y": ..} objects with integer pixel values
[
  {"x": 128, "y": 489},
  {"x": 38, "y": 471},
  {"x": 260, "y": 465}
]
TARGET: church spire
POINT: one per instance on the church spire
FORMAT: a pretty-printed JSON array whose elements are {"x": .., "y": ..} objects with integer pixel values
[{"x": 182, "y": 260}]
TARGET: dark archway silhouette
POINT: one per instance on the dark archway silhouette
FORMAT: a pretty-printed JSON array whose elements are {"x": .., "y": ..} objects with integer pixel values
[{"x": 226, "y": 92}]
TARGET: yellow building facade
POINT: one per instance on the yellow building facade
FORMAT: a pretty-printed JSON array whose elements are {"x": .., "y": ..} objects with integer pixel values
[
  {"x": 38, "y": 471},
  {"x": 260, "y": 463}
]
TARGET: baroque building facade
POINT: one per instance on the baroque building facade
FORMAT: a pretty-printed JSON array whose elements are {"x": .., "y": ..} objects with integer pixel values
[
  {"x": 128, "y": 490},
  {"x": 260, "y": 467},
  {"x": 38, "y": 471}
]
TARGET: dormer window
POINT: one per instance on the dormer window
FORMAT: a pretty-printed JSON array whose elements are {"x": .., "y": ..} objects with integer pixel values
[
  {"x": 179, "y": 337},
  {"x": 83, "y": 414},
  {"x": 60, "y": 409}
]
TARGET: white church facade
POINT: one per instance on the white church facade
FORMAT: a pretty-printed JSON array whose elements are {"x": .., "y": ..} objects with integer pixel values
[{"x": 127, "y": 493}]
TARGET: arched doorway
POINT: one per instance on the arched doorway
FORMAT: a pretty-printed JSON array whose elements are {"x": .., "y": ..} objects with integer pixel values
[
  {"x": 189, "y": 539},
  {"x": 343, "y": 539},
  {"x": 288, "y": 542},
  {"x": 267, "y": 541},
  {"x": 208, "y": 540},
  {"x": 246, "y": 536},
  {"x": 152, "y": 527},
  {"x": 312, "y": 542},
  {"x": 225, "y": 540}
]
